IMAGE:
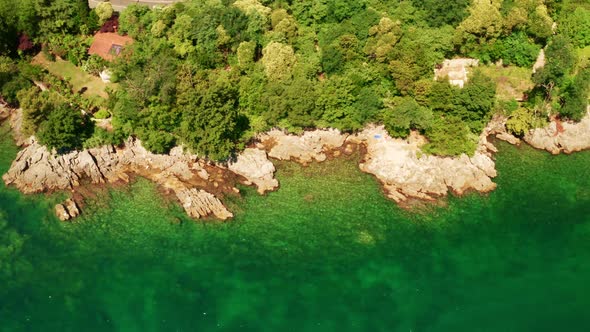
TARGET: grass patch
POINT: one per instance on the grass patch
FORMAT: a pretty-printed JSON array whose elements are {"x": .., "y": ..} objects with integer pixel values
[
  {"x": 76, "y": 76},
  {"x": 512, "y": 81}
]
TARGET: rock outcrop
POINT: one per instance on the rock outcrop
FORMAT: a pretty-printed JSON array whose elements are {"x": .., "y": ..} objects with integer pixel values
[
  {"x": 35, "y": 169},
  {"x": 16, "y": 121},
  {"x": 564, "y": 137},
  {"x": 67, "y": 210},
  {"x": 399, "y": 164},
  {"x": 254, "y": 165},
  {"x": 407, "y": 173},
  {"x": 4, "y": 113},
  {"x": 310, "y": 146}
]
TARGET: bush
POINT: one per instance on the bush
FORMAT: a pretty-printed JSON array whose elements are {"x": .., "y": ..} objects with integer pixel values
[
  {"x": 517, "y": 49},
  {"x": 102, "y": 114},
  {"x": 449, "y": 136},
  {"x": 63, "y": 130},
  {"x": 94, "y": 65},
  {"x": 523, "y": 120}
]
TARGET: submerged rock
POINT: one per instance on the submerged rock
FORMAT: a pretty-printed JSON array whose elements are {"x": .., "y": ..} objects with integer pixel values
[
  {"x": 36, "y": 169},
  {"x": 67, "y": 210}
]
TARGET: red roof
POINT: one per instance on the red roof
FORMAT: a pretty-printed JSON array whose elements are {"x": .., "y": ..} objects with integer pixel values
[{"x": 108, "y": 45}]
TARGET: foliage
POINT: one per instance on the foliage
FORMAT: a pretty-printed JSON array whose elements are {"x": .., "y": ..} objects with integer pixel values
[
  {"x": 210, "y": 74},
  {"x": 72, "y": 48},
  {"x": 575, "y": 96},
  {"x": 94, "y": 65},
  {"x": 576, "y": 26},
  {"x": 104, "y": 11},
  {"x": 102, "y": 114},
  {"x": 516, "y": 49},
  {"x": 450, "y": 136},
  {"x": 404, "y": 114},
  {"x": 63, "y": 130},
  {"x": 278, "y": 60},
  {"x": 522, "y": 120},
  {"x": 210, "y": 121},
  {"x": 439, "y": 13}
]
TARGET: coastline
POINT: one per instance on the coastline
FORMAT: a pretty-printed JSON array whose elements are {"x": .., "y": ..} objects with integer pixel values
[{"x": 200, "y": 186}]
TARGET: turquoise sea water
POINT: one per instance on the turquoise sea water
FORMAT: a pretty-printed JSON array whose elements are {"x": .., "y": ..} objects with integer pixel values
[{"x": 327, "y": 252}]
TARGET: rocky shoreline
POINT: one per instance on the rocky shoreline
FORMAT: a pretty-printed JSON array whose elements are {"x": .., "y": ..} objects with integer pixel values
[
  {"x": 558, "y": 137},
  {"x": 201, "y": 186}
]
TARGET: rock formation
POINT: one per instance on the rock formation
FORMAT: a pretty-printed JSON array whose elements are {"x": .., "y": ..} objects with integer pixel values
[
  {"x": 399, "y": 164},
  {"x": 564, "y": 137},
  {"x": 67, "y": 210},
  {"x": 36, "y": 169},
  {"x": 405, "y": 172},
  {"x": 254, "y": 165},
  {"x": 312, "y": 145},
  {"x": 402, "y": 168},
  {"x": 4, "y": 112}
]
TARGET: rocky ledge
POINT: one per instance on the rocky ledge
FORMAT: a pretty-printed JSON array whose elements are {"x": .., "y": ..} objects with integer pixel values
[
  {"x": 406, "y": 172},
  {"x": 403, "y": 170},
  {"x": 310, "y": 146},
  {"x": 560, "y": 137},
  {"x": 36, "y": 169},
  {"x": 398, "y": 164}
]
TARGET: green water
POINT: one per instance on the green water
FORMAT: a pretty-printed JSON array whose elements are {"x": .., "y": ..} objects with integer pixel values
[{"x": 327, "y": 252}]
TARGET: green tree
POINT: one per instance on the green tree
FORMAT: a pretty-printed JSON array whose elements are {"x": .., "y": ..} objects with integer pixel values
[
  {"x": 278, "y": 60},
  {"x": 517, "y": 49},
  {"x": 575, "y": 96},
  {"x": 210, "y": 121},
  {"x": 246, "y": 53},
  {"x": 63, "y": 129},
  {"x": 384, "y": 37},
  {"x": 450, "y": 136},
  {"x": 440, "y": 13},
  {"x": 560, "y": 60},
  {"x": 483, "y": 24},
  {"x": 104, "y": 10},
  {"x": 576, "y": 26},
  {"x": 522, "y": 120},
  {"x": 403, "y": 114}
]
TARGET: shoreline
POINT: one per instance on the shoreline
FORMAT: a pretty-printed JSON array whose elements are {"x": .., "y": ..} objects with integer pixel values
[{"x": 404, "y": 172}]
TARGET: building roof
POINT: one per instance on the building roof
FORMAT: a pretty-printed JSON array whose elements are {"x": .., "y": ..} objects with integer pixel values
[{"x": 108, "y": 45}]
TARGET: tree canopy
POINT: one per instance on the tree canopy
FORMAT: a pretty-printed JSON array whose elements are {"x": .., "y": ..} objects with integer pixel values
[{"x": 210, "y": 74}]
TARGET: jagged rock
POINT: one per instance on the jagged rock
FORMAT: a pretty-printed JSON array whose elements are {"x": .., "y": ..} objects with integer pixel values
[
  {"x": 61, "y": 213},
  {"x": 571, "y": 138},
  {"x": 4, "y": 113},
  {"x": 72, "y": 208},
  {"x": 67, "y": 210},
  {"x": 312, "y": 145},
  {"x": 36, "y": 169},
  {"x": 16, "y": 121},
  {"x": 508, "y": 138},
  {"x": 254, "y": 165},
  {"x": 405, "y": 172},
  {"x": 199, "y": 204}
]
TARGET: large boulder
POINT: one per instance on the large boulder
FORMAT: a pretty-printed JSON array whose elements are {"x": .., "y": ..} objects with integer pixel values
[{"x": 254, "y": 165}]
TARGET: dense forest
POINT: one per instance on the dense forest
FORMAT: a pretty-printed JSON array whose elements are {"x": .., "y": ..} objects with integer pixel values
[{"x": 210, "y": 74}]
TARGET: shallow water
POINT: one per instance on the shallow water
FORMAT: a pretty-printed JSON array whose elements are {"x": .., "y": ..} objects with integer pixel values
[{"x": 327, "y": 252}]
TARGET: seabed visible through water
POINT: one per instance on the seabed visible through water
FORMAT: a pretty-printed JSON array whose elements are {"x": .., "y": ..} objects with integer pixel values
[{"x": 326, "y": 252}]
